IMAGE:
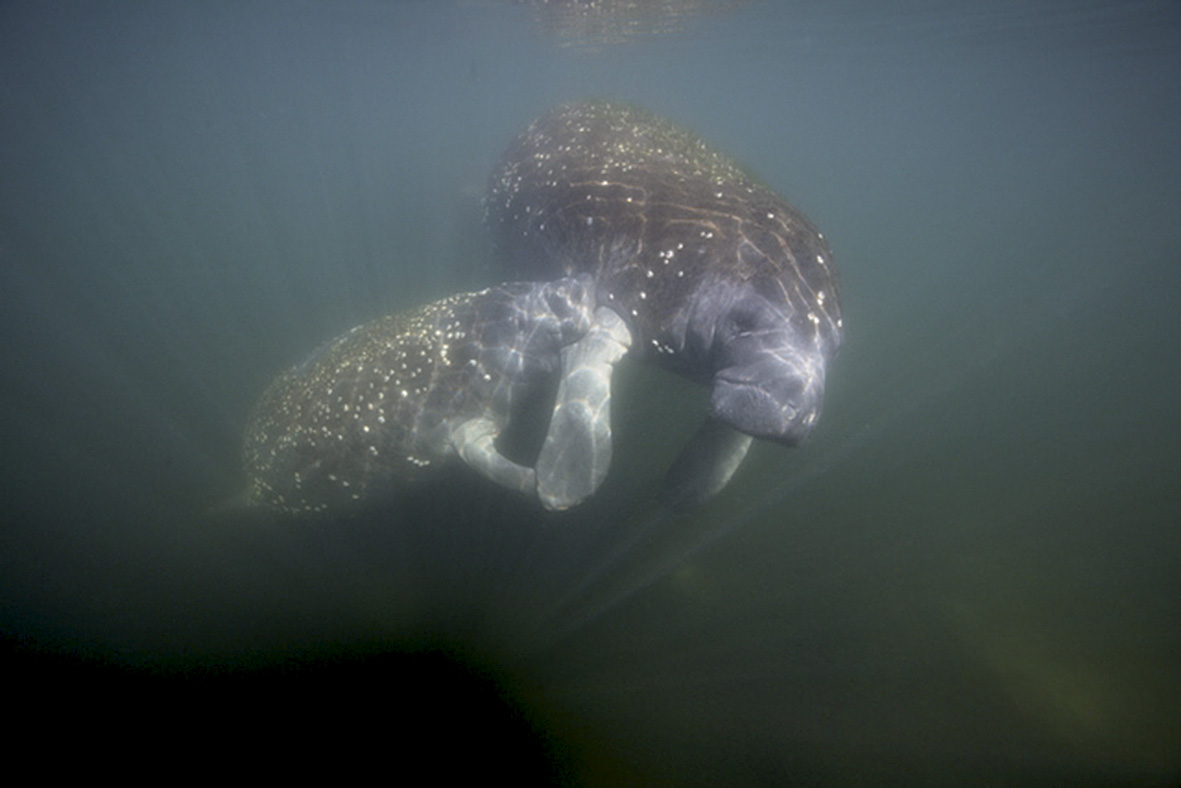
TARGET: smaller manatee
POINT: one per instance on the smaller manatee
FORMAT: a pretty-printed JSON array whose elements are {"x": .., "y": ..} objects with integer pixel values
[{"x": 381, "y": 406}]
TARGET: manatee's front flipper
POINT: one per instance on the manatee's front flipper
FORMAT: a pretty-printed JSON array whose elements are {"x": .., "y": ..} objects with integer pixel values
[
  {"x": 577, "y": 451},
  {"x": 474, "y": 442},
  {"x": 705, "y": 465}
]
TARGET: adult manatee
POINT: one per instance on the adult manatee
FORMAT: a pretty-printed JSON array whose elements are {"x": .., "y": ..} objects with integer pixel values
[
  {"x": 381, "y": 406},
  {"x": 709, "y": 273}
]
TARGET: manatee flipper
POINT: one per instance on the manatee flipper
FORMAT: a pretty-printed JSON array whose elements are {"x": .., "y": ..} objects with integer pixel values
[
  {"x": 721, "y": 281},
  {"x": 474, "y": 442},
  {"x": 705, "y": 465},
  {"x": 577, "y": 451},
  {"x": 380, "y": 407}
]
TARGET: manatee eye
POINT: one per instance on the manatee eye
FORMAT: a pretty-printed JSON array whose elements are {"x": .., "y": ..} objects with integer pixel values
[
  {"x": 752, "y": 313},
  {"x": 743, "y": 321}
]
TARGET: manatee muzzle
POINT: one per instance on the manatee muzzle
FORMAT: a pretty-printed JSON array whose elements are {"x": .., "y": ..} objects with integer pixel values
[{"x": 774, "y": 399}]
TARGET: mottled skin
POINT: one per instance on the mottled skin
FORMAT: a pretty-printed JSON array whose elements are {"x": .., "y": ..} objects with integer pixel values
[
  {"x": 714, "y": 276},
  {"x": 379, "y": 407}
]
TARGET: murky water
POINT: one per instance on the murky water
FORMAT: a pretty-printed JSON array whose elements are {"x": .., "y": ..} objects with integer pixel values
[{"x": 968, "y": 574}]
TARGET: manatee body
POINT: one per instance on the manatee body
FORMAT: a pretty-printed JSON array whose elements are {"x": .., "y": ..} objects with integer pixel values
[
  {"x": 714, "y": 275},
  {"x": 383, "y": 405}
]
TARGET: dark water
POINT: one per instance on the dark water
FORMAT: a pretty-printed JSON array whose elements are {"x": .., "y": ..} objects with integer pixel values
[{"x": 969, "y": 574}]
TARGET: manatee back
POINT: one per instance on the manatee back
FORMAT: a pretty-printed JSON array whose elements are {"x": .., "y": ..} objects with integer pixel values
[
  {"x": 330, "y": 430},
  {"x": 375, "y": 409},
  {"x": 655, "y": 215}
]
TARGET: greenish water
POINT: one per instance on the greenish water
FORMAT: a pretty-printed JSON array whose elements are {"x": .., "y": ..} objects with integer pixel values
[{"x": 967, "y": 574}]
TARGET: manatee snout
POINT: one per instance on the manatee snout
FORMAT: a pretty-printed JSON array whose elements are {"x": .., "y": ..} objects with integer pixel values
[{"x": 776, "y": 397}]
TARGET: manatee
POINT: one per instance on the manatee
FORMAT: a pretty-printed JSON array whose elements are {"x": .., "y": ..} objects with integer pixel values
[
  {"x": 711, "y": 273},
  {"x": 384, "y": 405}
]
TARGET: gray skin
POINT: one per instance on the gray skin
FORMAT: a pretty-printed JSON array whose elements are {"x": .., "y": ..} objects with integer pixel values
[
  {"x": 381, "y": 406},
  {"x": 712, "y": 274}
]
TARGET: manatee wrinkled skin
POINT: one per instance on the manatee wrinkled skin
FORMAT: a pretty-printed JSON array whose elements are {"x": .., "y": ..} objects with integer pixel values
[
  {"x": 713, "y": 275},
  {"x": 383, "y": 405}
]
